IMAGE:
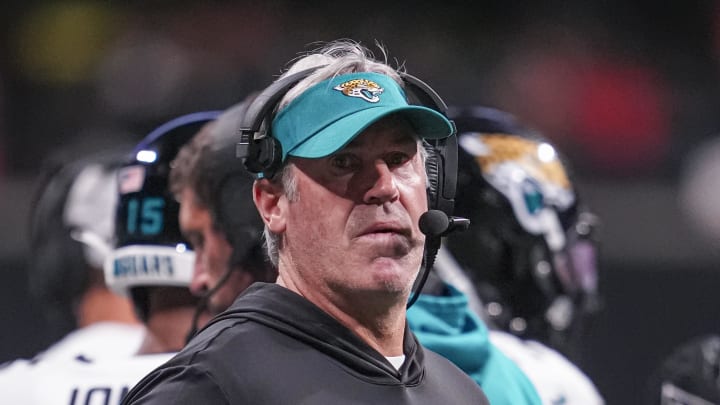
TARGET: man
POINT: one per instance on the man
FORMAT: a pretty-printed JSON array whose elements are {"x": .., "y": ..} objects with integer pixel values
[
  {"x": 202, "y": 169},
  {"x": 464, "y": 335},
  {"x": 217, "y": 214},
  {"x": 529, "y": 256},
  {"x": 341, "y": 195},
  {"x": 71, "y": 228}
]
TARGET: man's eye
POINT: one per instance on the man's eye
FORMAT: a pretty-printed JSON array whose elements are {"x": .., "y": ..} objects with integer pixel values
[
  {"x": 342, "y": 161},
  {"x": 397, "y": 159}
]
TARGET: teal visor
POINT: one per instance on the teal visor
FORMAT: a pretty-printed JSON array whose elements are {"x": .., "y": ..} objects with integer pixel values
[{"x": 330, "y": 114}]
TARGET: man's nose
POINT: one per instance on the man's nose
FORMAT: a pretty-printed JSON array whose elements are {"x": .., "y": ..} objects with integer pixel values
[{"x": 382, "y": 187}]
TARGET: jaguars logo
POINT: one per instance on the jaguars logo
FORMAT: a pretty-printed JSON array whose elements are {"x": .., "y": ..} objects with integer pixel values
[
  {"x": 365, "y": 89},
  {"x": 525, "y": 153}
]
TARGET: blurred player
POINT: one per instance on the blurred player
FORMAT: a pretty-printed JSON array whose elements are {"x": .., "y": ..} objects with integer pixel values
[
  {"x": 531, "y": 251},
  {"x": 151, "y": 263},
  {"x": 217, "y": 214},
  {"x": 690, "y": 375},
  {"x": 526, "y": 265},
  {"x": 70, "y": 231},
  {"x": 76, "y": 198}
]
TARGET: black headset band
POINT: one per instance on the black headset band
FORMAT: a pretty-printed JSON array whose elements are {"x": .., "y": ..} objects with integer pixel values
[
  {"x": 267, "y": 100},
  {"x": 425, "y": 94}
]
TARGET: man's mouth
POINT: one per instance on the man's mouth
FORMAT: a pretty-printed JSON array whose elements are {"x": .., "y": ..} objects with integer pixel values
[{"x": 385, "y": 228}]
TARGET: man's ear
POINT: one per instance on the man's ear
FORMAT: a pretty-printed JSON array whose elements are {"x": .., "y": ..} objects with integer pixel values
[{"x": 271, "y": 203}]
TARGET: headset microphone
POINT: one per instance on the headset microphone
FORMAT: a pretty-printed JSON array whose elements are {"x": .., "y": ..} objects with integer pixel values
[{"x": 435, "y": 224}]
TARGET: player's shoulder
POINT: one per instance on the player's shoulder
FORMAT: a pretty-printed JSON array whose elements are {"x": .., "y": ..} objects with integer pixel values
[
  {"x": 81, "y": 380},
  {"x": 81, "y": 364},
  {"x": 15, "y": 367},
  {"x": 16, "y": 379},
  {"x": 101, "y": 340},
  {"x": 554, "y": 375}
]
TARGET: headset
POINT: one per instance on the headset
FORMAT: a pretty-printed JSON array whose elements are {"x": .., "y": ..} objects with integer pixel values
[{"x": 262, "y": 154}]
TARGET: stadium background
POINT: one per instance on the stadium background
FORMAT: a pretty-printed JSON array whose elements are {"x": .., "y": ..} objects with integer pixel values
[{"x": 629, "y": 90}]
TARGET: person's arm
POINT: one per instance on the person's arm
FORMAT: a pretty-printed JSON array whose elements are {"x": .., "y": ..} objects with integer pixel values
[{"x": 176, "y": 386}]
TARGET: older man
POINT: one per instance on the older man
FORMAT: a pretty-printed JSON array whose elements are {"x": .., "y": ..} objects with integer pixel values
[{"x": 341, "y": 201}]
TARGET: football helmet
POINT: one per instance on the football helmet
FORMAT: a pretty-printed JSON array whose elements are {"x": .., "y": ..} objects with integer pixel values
[
  {"x": 150, "y": 250},
  {"x": 531, "y": 250}
]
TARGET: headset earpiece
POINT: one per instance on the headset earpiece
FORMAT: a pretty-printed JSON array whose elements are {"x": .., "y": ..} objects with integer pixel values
[
  {"x": 262, "y": 155},
  {"x": 260, "y": 152},
  {"x": 432, "y": 168},
  {"x": 443, "y": 176}
]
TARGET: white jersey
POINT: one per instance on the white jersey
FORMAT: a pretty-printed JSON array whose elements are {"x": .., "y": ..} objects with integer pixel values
[
  {"x": 556, "y": 379},
  {"x": 93, "y": 365},
  {"x": 101, "y": 339}
]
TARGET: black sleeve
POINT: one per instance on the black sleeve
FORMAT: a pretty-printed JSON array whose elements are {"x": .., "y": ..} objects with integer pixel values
[{"x": 180, "y": 385}]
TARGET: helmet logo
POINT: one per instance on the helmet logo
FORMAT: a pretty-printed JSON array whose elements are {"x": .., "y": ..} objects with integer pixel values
[
  {"x": 537, "y": 159},
  {"x": 530, "y": 175},
  {"x": 365, "y": 89}
]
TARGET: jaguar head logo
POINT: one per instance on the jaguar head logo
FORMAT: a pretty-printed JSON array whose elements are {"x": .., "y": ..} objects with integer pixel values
[{"x": 365, "y": 89}]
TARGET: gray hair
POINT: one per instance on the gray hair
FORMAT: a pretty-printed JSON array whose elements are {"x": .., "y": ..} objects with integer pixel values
[
  {"x": 339, "y": 57},
  {"x": 334, "y": 59}
]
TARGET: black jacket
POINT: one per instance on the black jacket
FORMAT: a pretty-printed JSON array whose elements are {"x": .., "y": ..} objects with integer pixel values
[{"x": 272, "y": 346}]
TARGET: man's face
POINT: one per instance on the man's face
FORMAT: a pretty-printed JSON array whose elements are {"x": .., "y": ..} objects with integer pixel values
[
  {"x": 354, "y": 227},
  {"x": 212, "y": 255}
]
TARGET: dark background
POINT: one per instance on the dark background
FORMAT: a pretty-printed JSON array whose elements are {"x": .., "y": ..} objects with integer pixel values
[{"x": 629, "y": 90}]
